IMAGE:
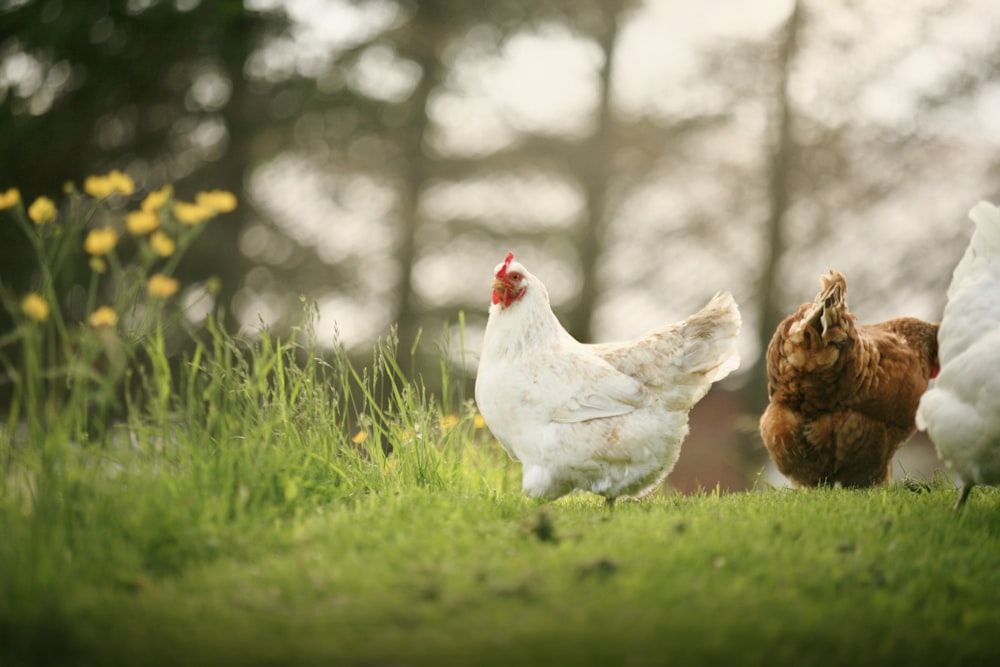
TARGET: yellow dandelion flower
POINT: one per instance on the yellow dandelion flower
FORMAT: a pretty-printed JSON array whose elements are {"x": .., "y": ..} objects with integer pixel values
[
  {"x": 121, "y": 182},
  {"x": 478, "y": 421},
  {"x": 218, "y": 201},
  {"x": 36, "y": 307},
  {"x": 105, "y": 316},
  {"x": 9, "y": 198},
  {"x": 161, "y": 286},
  {"x": 100, "y": 241},
  {"x": 359, "y": 437},
  {"x": 162, "y": 244},
  {"x": 449, "y": 421},
  {"x": 155, "y": 200},
  {"x": 98, "y": 187},
  {"x": 142, "y": 222},
  {"x": 191, "y": 214},
  {"x": 42, "y": 210},
  {"x": 98, "y": 265}
]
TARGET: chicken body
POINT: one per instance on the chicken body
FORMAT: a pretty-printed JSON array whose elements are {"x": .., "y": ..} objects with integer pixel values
[
  {"x": 961, "y": 412},
  {"x": 843, "y": 397},
  {"x": 609, "y": 418}
]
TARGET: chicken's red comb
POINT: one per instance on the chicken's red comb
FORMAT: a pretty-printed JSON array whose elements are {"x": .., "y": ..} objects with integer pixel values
[{"x": 506, "y": 263}]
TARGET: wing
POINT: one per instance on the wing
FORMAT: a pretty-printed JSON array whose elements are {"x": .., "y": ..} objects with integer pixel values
[
  {"x": 703, "y": 345},
  {"x": 650, "y": 359},
  {"x": 591, "y": 388}
]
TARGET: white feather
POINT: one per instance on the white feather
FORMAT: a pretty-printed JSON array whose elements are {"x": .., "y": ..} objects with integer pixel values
[
  {"x": 961, "y": 412},
  {"x": 606, "y": 418}
]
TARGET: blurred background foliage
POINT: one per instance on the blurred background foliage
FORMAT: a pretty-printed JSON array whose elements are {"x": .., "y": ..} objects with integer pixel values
[{"x": 637, "y": 156}]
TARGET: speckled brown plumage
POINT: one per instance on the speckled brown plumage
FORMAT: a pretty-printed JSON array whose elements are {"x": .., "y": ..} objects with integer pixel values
[{"x": 843, "y": 397}]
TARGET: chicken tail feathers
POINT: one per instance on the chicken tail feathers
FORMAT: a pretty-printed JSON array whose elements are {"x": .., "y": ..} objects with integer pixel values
[
  {"x": 710, "y": 338},
  {"x": 828, "y": 315}
]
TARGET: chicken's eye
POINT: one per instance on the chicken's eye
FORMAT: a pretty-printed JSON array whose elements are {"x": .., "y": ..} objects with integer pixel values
[{"x": 515, "y": 276}]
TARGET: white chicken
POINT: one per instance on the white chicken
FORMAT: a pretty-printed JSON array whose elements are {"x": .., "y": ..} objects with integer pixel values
[
  {"x": 607, "y": 418},
  {"x": 961, "y": 412}
]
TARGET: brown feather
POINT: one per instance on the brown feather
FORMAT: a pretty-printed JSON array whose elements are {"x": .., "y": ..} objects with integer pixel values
[{"x": 843, "y": 397}]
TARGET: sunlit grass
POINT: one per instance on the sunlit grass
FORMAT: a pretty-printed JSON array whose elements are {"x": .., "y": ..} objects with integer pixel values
[{"x": 176, "y": 495}]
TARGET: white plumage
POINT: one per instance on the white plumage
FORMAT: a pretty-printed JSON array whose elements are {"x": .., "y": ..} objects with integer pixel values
[
  {"x": 961, "y": 412},
  {"x": 608, "y": 418}
]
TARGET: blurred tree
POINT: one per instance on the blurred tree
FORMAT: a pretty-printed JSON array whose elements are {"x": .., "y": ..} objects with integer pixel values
[
  {"x": 155, "y": 88},
  {"x": 780, "y": 165},
  {"x": 595, "y": 173},
  {"x": 393, "y": 143},
  {"x": 433, "y": 26}
]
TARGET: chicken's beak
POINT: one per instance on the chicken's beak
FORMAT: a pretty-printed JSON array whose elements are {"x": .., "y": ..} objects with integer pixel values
[
  {"x": 504, "y": 292},
  {"x": 500, "y": 291}
]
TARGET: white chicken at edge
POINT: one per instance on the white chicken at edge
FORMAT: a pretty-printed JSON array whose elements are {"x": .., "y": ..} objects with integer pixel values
[
  {"x": 961, "y": 412},
  {"x": 607, "y": 418}
]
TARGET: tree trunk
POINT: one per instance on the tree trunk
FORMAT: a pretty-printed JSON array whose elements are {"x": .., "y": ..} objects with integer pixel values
[
  {"x": 779, "y": 198},
  {"x": 594, "y": 173},
  {"x": 416, "y": 171}
]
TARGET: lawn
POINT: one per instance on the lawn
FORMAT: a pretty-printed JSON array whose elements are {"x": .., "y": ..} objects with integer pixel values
[
  {"x": 414, "y": 576},
  {"x": 247, "y": 513}
]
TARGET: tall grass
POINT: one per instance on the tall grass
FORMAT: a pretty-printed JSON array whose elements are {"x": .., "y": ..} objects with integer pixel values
[
  {"x": 208, "y": 451},
  {"x": 122, "y": 461}
]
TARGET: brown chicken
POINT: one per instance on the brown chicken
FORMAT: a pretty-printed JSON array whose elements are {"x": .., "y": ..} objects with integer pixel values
[{"x": 843, "y": 397}]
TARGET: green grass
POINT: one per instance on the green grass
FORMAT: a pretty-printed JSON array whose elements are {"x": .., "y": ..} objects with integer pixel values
[
  {"x": 233, "y": 515},
  {"x": 441, "y": 577}
]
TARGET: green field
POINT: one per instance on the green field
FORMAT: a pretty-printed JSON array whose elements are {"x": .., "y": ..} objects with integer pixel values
[{"x": 244, "y": 512}]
